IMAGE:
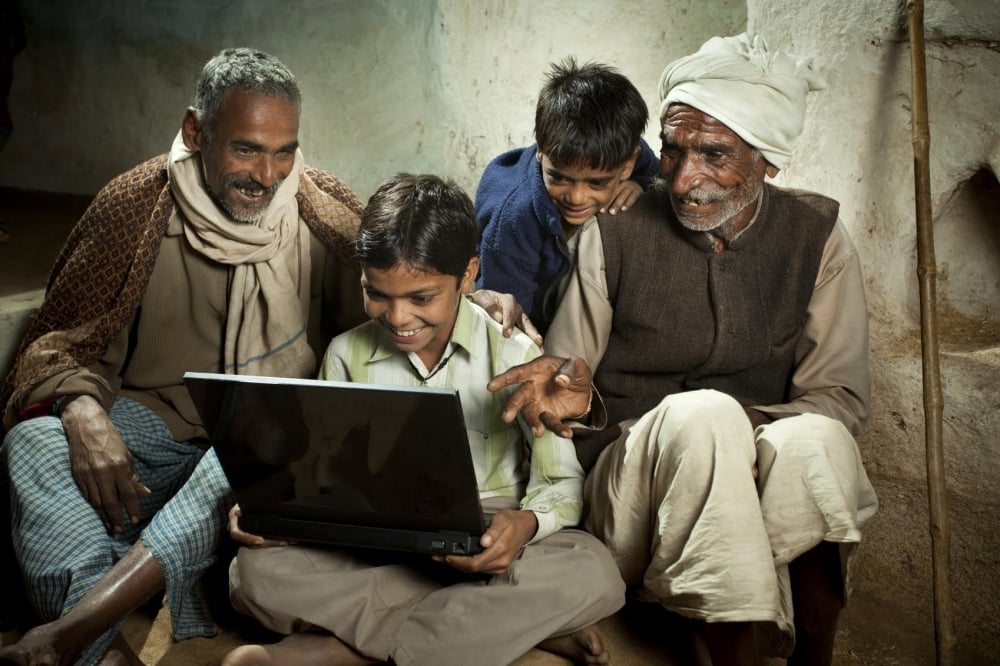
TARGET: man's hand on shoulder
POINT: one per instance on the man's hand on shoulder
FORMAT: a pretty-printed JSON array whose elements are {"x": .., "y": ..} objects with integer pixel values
[
  {"x": 507, "y": 312},
  {"x": 508, "y": 532},
  {"x": 552, "y": 389},
  {"x": 101, "y": 464}
]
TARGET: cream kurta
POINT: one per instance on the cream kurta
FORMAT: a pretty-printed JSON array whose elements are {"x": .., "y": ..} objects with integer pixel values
[
  {"x": 831, "y": 374},
  {"x": 674, "y": 498},
  {"x": 179, "y": 328}
]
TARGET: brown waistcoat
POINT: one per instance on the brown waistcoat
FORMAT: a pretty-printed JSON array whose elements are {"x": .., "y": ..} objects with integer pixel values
[{"x": 687, "y": 318}]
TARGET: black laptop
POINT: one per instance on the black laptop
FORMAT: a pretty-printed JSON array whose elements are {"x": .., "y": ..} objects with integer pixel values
[{"x": 343, "y": 463}]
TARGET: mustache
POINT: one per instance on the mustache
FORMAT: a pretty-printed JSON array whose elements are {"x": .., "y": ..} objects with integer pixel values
[{"x": 251, "y": 185}]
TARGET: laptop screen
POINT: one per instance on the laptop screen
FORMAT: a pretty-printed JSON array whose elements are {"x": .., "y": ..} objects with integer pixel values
[{"x": 366, "y": 454}]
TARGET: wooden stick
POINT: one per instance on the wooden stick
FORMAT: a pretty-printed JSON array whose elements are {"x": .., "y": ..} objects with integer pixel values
[{"x": 933, "y": 403}]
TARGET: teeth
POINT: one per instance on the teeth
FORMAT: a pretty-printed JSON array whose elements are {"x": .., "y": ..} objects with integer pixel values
[
  {"x": 405, "y": 334},
  {"x": 252, "y": 194}
]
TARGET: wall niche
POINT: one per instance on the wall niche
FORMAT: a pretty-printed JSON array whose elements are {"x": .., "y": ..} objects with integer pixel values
[{"x": 967, "y": 249}]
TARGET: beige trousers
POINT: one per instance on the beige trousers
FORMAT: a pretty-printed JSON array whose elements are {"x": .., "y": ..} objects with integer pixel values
[
  {"x": 557, "y": 586},
  {"x": 675, "y": 501}
]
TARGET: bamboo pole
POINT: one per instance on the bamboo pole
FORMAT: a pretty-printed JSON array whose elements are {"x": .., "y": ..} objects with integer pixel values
[{"x": 940, "y": 528}]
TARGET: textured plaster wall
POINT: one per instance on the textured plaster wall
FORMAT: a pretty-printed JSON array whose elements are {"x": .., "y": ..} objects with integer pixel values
[
  {"x": 444, "y": 85},
  {"x": 857, "y": 148},
  {"x": 418, "y": 85}
]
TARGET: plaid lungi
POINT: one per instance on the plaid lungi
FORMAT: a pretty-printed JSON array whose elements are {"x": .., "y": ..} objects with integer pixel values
[{"x": 62, "y": 545}]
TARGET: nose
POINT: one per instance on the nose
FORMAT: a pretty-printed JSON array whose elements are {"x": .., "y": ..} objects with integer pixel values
[
  {"x": 577, "y": 195},
  {"x": 264, "y": 171},
  {"x": 397, "y": 313},
  {"x": 686, "y": 176}
]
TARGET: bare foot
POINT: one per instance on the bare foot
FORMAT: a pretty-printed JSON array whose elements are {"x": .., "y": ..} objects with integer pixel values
[
  {"x": 120, "y": 653},
  {"x": 583, "y": 647},
  {"x": 301, "y": 649}
]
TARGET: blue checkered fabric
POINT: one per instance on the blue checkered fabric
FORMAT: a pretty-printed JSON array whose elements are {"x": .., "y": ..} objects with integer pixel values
[
  {"x": 184, "y": 536},
  {"x": 64, "y": 548}
]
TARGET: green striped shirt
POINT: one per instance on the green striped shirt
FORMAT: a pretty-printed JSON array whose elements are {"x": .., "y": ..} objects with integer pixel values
[{"x": 542, "y": 472}]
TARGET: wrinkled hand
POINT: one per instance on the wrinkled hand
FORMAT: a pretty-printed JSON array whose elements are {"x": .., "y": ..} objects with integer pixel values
[
  {"x": 102, "y": 465},
  {"x": 507, "y": 312},
  {"x": 551, "y": 389},
  {"x": 628, "y": 193},
  {"x": 507, "y": 534},
  {"x": 245, "y": 538}
]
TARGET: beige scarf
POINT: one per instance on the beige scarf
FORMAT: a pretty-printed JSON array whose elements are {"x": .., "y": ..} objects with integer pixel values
[{"x": 269, "y": 286}]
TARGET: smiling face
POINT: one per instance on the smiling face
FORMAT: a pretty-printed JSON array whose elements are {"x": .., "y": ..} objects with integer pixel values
[
  {"x": 580, "y": 191},
  {"x": 712, "y": 176},
  {"x": 417, "y": 306},
  {"x": 250, "y": 153}
]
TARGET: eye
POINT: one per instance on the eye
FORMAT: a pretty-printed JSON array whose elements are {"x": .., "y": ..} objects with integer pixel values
[
  {"x": 668, "y": 153},
  {"x": 374, "y": 295},
  {"x": 421, "y": 299},
  {"x": 244, "y": 151}
]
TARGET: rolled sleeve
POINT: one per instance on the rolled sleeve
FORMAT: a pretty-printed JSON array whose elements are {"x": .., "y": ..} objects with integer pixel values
[
  {"x": 555, "y": 484},
  {"x": 831, "y": 359}
]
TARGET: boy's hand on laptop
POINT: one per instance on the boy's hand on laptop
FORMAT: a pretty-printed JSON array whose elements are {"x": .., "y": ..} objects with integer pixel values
[
  {"x": 502, "y": 542},
  {"x": 506, "y": 311},
  {"x": 627, "y": 195},
  {"x": 245, "y": 538},
  {"x": 551, "y": 389}
]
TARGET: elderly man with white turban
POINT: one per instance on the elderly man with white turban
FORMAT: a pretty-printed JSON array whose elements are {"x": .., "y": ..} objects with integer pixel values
[{"x": 725, "y": 321}]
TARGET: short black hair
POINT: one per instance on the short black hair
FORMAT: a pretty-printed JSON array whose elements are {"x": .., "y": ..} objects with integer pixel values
[
  {"x": 590, "y": 115},
  {"x": 420, "y": 220}
]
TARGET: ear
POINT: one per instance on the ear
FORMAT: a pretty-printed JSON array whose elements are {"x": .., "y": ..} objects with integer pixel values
[
  {"x": 771, "y": 170},
  {"x": 629, "y": 166},
  {"x": 468, "y": 284},
  {"x": 191, "y": 130}
]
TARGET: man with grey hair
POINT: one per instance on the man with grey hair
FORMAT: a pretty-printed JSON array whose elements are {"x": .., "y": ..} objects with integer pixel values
[
  {"x": 219, "y": 256},
  {"x": 725, "y": 319},
  {"x": 229, "y": 254}
]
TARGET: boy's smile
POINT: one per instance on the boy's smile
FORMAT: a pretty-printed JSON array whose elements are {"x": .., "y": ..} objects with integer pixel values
[
  {"x": 580, "y": 191},
  {"x": 417, "y": 306}
]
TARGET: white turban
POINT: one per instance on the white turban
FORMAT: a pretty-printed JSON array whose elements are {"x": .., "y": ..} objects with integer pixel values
[{"x": 760, "y": 95}]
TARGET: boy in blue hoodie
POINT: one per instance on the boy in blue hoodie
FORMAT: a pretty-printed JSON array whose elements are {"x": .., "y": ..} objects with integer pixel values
[{"x": 589, "y": 158}]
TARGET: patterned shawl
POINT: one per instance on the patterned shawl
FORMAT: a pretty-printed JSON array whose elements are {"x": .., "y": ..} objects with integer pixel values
[{"x": 100, "y": 275}]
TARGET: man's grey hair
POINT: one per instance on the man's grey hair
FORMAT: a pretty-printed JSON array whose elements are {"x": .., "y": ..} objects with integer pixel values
[{"x": 243, "y": 69}]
